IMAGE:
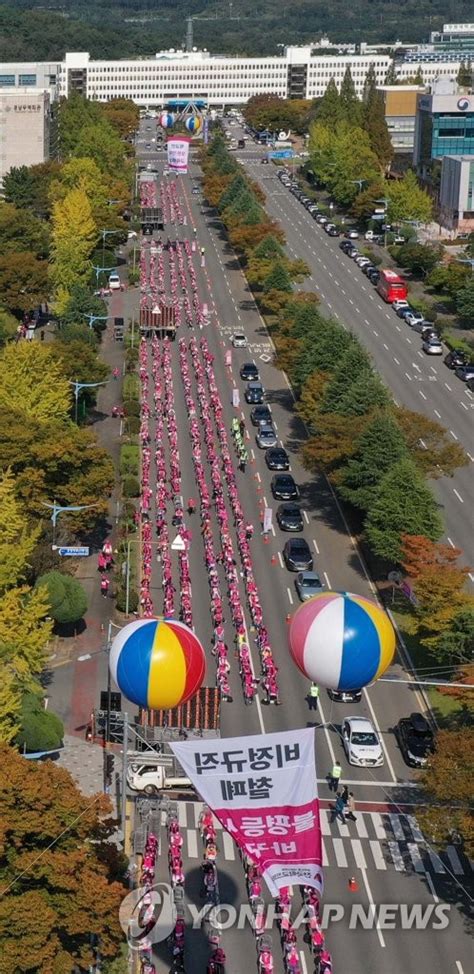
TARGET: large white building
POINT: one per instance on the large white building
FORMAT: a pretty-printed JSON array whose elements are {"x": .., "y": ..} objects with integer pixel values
[
  {"x": 297, "y": 73},
  {"x": 24, "y": 128}
]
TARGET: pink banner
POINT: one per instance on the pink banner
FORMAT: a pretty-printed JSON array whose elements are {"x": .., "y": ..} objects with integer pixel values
[
  {"x": 263, "y": 789},
  {"x": 178, "y": 152}
]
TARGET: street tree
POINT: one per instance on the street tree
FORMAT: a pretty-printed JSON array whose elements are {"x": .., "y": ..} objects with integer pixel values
[
  {"x": 330, "y": 109},
  {"x": 65, "y": 596},
  {"x": 23, "y": 281},
  {"x": 268, "y": 249},
  {"x": 17, "y": 540},
  {"x": 391, "y": 76},
  {"x": 40, "y": 730},
  {"x": 24, "y": 637},
  {"x": 374, "y": 121},
  {"x": 447, "y": 784},
  {"x": 419, "y": 258},
  {"x": 32, "y": 383},
  {"x": 85, "y": 175},
  {"x": 340, "y": 156},
  {"x": 21, "y": 231},
  {"x": 363, "y": 205},
  {"x": 335, "y": 439},
  {"x": 8, "y": 327},
  {"x": 79, "y": 362},
  {"x": 457, "y": 642},
  {"x": 311, "y": 396},
  {"x": 27, "y": 187},
  {"x": 438, "y": 582},
  {"x": 363, "y": 395},
  {"x": 351, "y": 106},
  {"x": 429, "y": 444},
  {"x": 378, "y": 449},
  {"x": 234, "y": 188},
  {"x": 403, "y": 505},
  {"x": 79, "y": 304},
  {"x": 407, "y": 201},
  {"x": 73, "y": 240},
  {"x": 354, "y": 361},
  {"x": 62, "y": 869},
  {"x": 123, "y": 114},
  {"x": 465, "y": 304},
  {"x": 328, "y": 343},
  {"x": 278, "y": 279},
  {"x": 449, "y": 278}
]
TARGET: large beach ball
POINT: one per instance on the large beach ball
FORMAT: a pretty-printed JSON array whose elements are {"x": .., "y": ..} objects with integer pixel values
[
  {"x": 166, "y": 120},
  {"x": 193, "y": 124},
  {"x": 157, "y": 663},
  {"x": 341, "y": 641}
]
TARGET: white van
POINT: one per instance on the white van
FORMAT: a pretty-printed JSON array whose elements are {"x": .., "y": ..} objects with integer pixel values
[{"x": 114, "y": 282}]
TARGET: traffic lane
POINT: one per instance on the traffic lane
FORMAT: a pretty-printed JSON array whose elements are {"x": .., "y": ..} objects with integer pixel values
[
  {"x": 454, "y": 493},
  {"x": 352, "y": 581}
]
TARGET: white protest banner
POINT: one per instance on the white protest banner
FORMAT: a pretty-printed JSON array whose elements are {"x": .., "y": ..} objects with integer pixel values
[
  {"x": 178, "y": 152},
  {"x": 235, "y": 397},
  {"x": 263, "y": 789},
  {"x": 267, "y": 520}
]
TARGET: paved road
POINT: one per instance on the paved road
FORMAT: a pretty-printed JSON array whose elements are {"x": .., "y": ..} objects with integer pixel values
[
  {"x": 417, "y": 381},
  {"x": 388, "y": 857}
]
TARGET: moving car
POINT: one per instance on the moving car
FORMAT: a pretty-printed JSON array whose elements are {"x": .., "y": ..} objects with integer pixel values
[
  {"x": 249, "y": 372},
  {"x": 239, "y": 340},
  {"x": 345, "y": 696},
  {"x": 266, "y": 437},
  {"x": 431, "y": 345},
  {"x": 297, "y": 556},
  {"x": 289, "y": 517},
  {"x": 361, "y": 742},
  {"x": 454, "y": 359},
  {"x": 261, "y": 416},
  {"x": 277, "y": 459},
  {"x": 254, "y": 393},
  {"x": 283, "y": 486},
  {"x": 308, "y": 584},
  {"x": 114, "y": 282},
  {"x": 415, "y": 739},
  {"x": 465, "y": 372}
]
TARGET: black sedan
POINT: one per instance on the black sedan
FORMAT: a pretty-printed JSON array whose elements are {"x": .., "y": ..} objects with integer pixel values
[
  {"x": 416, "y": 739},
  {"x": 249, "y": 372},
  {"x": 261, "y": 416},
  {"x": 289, "y": 517},
  {"x": 455, "y": 359},
  {"x": 284, "y": 487},
  {"x": 277, "y": 459},
  {"x": 373, "y": 276},
  {"x": 465, "y": 372},
  {"x": 345, "y": 696},
  {"x": 297, "y": 556}
]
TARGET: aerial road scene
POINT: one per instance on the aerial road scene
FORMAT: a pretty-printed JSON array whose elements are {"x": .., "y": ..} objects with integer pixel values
[{"x": 236, "y": 450}]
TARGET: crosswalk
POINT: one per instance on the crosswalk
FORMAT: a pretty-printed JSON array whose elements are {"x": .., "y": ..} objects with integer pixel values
[{"x": 374, "y": 841}]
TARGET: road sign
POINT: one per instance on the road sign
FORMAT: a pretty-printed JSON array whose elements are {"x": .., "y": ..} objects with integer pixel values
[
  {"x": 178, "y": 544},
  {"x": 73, "y": 552},
  {"x": 281, "y": 154}
]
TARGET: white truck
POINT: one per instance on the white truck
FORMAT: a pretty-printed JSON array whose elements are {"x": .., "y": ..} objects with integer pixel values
[{"x": 153, "y": 774}]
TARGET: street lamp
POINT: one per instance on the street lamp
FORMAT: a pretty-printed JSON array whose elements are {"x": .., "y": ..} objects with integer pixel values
[
  {"x": 98, "y": 270},
  {"x": 107, "y": 233},
  {"x": 93, "y": 318},
  {"x": 358, "y": 182},
  {"x": 57, "y": 509},
  {"x": 77, "y": 388}
]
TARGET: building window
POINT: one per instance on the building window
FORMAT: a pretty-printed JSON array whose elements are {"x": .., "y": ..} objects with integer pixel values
[
  {"x": 27, "y": 79},
  {"x": 7, "y": 80}
]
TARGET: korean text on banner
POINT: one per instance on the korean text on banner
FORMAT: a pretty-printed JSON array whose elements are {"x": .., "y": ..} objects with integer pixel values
[
  {"x": 178, "y": 152},
  {"x": 263, "y": 789}
]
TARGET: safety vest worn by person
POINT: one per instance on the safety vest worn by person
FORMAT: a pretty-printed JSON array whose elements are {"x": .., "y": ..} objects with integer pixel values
[
  {"x": 314, "y": 691},
  {"x": 336, "y": 771}
]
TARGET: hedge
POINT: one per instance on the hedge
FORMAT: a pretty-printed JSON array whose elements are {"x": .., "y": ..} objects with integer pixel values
[
  {"x": 129, "y": 459},
  {"x": 131, "y": 387},
  {"x": 130, "y": 486}
]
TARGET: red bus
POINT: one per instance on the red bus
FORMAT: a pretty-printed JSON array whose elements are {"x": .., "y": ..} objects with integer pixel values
[{"x": 391, "y": 286}]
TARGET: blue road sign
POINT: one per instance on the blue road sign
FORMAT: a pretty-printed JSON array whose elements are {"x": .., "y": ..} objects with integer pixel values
[
  {"x": 281, "y": 154},
  {"x": 73, "y": 552}
]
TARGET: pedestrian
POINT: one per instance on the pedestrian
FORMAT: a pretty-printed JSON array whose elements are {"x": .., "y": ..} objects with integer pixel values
[
  {"x": 101, "y": 562},
  {"x": 42, "y": 334},
  {"x": 313, "y": 695},
  {"x": 335, "y": 776},
  {"x": 350, "y": 808},
  {"x": 116, "y": 373},
  {"x": 339, "y": 808},
  {"x": 104, "y": 586},
  {"x": 345, "y": 794},
  {"x": 191, "y": 505},
  {"x": 249, "y": 531},
  {"x": 242, "y": 428}
]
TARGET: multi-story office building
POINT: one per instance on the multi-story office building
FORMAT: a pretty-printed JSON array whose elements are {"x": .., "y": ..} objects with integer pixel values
[
  {"x": 24, "y": 128},
  {"x": 400, "y": 103},
  {"x": 444, "y": 124},
  {"x": 456, "y": 193}
]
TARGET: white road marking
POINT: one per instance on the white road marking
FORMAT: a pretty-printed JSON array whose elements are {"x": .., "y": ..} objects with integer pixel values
[
  {"x": 459, "y": 967},
  {"x": 306, "y": 517},
  {"x": 436, "y": 862},
  {"x": 397, "y": 828},
  {"x": 290, "y": 596},
  {"x": 463, "y": 404},
  {"x": 375, "y": 723},
  {"x": 377, "y": 854},
  {"x": 453, "y": 435},
  {"x": 324, "y": 819},
  {"x": 340, "y": 853},
  {"x": 328, "y": 583},
  {"x": 415, "y": 857},
  {"x": 458, "y": 495},
  {"x": 280, "y": 559},
  {"x": 435, "y": 411},
  {"x": 451, "y": 543},
  {"x": 358, "y": 854},
  {"x": 396, "y": 361},
  {"x": 397, "y": 857},
  {"x": 431, "y": 886},
  {"x": 422, "y": 394},
  {"x": 454, "y": 860},
  {"x": 378, "y": 825},
  {"x": 191, "y": 838},
  {"x": 228, "y": 846},
  {"x": 448, "y": 387},
  {"x": 415, "y": 830},
  {"x": 361, "y": 827},
  {"x": 374, "y": 911},
  {"x": 316, "y": 546}
]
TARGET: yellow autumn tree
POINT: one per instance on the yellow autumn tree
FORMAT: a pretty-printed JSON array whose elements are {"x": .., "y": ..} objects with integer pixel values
[
  {"x": 32, "y": 384},
  {"x": 24, "y": 635},
  {"x": 85, "y": 175},
  {"x": 74, "y": 235},
  {"x": 16, "y": 541}
]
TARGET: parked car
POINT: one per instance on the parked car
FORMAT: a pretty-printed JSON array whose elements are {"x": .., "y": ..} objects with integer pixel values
[
  {"x": 413, "y": 317},
  {"x": 297, "y": 556},
  {"x": 416, "y": 739},
  {"x": 114, "y": 282},
  {"x": 352, "y": 234},
  {"x": 361, "y": 742},
  {"x": 283, "y": 487},
  {"x": 423, "y": 327},
  {"x": 277, "y": 459},
  {"x": 254, "y": 393},
  {"x": 289, "y": 517},
  {"x": 354, "y": 253},
  {"x": 368, "y": 267},
  {"x": 346, "y": 245},
  {"x": 239, "y": 340},
  {"x": 261, "y": 416},
  {"x": 320, "y": 218},
  {"x": 345, "y": 696},
  {"x": 406, "y": 309},
  {"x": 333, "y": 232},
  {"x": 465, "y": 372},
  {"x": 266, "y": 437},
  {"x": 307, "y": 585},
  {"x": 361, "y": 260},
  {"x": 455, "y": 359},
  {"x": 329, "y": 226},
  {"x": 373, "y": 276},
  {"x": 470, "y": 384},
  {"x": 249, "y": 372},
  {"x": 431, "y": 345},
  {"x": 400, "y": 303}
]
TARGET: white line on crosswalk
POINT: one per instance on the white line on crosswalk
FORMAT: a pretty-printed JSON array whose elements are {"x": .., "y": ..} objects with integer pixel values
[
  {"x": 361, "y": 827},
  {"x": 378, "y": 825},
  {"x": 182, "y": 817},
  {"x": 340, "y": 853},
  {"x": 228, "y": 846},
  {"x": 397, "y": 857},
  {"x": 325, "y": 827},
  {"x": 454, "y": 860},
  {"x": 343, "y": 829},
  {"x": 417, "y": 835},
  {"x": 436, "y": 861},
  {"x": 358, "y": 854},
  {"x": 397, "y": 828},
  {"x": 415, "y": 857},
  {"x": 325, "y": 855},
  {"x": 192, "y": 844},
  {"x": 377, "y": 854}
]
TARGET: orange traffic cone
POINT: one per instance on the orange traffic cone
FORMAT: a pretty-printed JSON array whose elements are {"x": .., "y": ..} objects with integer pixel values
[
  {"x": 353, "y": 885},
  {"x": 288, "y": 616},
  {"x": 273, "y": 560}
]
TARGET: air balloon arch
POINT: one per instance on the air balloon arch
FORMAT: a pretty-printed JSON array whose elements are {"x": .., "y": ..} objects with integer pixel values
[{"x": 190, "y": 115}]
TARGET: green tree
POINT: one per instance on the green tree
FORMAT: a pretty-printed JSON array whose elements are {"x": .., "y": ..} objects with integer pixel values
[
  {"x": 363, "y": 395},
  {"x": 66, "y": 597},
  {"x": 60, "y": 866},
  {"x": 449, "y": 278},
  {"x": 391, "y": 76},
  {"x": 351, "y": 106},
  {"x": 24, "y": 636},
  {"x": 465, "y": 304},
  {"x": 278, "y": 279},
  {"x": 23, "y": 281},
  {"x": 418, "y": 77},
  {"x": 419, "y": 258},
  {"x": 237, "y": 186},
  {"x": 123, "y": 114},
  {"x": 32, "y": 384},
  {"x": 447, "y": 783},
  {"x": 341, "y": 156},
  {"x": 79, "y": 305},
  {"x": 327, "y": 345},
  {"x": 73, "y": 239},
  {"x": 8, "y": 327},
  {"x": 407, "y": 201},
  {"x": 379, "y": 448},
  {"x": 330, "y": 110},
  {"x": 464, "y": 75},
  {"x": 41, "y": 730},
  {"x": 370, "y": 82},
  {"x": 403, "y": 505},
  {"x": 456, "y": 642},
  {"x": 20, "y": 231},
  {"x": 27, "y": 187},
  {"x": 374, "y": 121},
  {"x": 17, "y": 541},
  {"x": 268, "y": 249},
  {"x": 354, "y": 362}
]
